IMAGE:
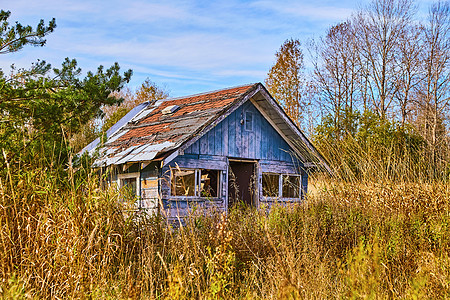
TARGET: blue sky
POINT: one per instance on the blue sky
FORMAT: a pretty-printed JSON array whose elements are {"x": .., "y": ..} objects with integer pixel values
[{"x": 186, "y": 46}]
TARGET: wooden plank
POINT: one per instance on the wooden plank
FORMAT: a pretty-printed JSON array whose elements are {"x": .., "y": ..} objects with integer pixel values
[
  {"x": 191, "y": 156},
  {"x": 245, "y": 135},
  {"x": 278, "y": 167},
  {"x": 244, "y": 142},
  {"x": 150, "y": 182},
  {"x": 211, "y": 138},
  {"x": 276, "y": 146},
  {"x": 224, "y": 130},
  {"x": 199, "y": 164},
  {"x": 271, "y": 155},
  {"x": 232, "y": 134},
  {"x": 204, "y": 145},
  {"x": 257, "y": 134},
  {"x": 251, "y": 146},
  {"x": 218, "y": 139},
  {"x": 264, "y": 140},
  {"x": 237, "y": 128},
  {"x": 212, "y": 157}
]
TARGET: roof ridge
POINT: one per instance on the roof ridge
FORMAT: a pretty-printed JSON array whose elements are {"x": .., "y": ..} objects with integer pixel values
[{"x": 209, "y": 92}]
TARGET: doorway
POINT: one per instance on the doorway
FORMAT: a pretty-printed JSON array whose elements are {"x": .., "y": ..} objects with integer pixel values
[{"x": 241, "y": 183}]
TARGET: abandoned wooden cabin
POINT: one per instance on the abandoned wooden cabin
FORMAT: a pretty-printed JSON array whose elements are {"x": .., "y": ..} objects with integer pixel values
[{"x": 209, "y": 150}]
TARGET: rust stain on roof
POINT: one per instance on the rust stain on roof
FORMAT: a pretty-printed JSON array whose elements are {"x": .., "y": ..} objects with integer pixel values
[{"x": 141, "y": 137}]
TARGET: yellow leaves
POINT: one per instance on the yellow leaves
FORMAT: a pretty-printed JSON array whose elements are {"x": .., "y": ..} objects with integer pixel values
[{"x": 285, "y": 80}]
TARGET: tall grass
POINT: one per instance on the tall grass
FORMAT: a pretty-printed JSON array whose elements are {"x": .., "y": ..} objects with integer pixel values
[
  {"x": 396, "y": 154},
  {"x": 378, "y": 229},
  {"x": 62, "y": 239}
]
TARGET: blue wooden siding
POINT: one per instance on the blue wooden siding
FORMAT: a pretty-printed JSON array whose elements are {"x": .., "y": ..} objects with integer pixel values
[{"x": 229, "y": 138}]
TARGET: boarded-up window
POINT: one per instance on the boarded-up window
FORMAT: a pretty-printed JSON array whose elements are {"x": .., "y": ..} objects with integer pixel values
[
  {"x": 291, "y": 186},
  {"x": 270, "y": 185},
  {"x": 209, "y": 183},
  {"x": 183, "y": 182}
]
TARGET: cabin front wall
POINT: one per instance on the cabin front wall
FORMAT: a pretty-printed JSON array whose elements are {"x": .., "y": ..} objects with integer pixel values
[{"x": 233, "y": 139}]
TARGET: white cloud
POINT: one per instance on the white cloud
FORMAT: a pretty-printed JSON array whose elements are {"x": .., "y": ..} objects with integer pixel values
[
  {"x": 312, "y": 10},
  {"x": 183, "y": 43}
]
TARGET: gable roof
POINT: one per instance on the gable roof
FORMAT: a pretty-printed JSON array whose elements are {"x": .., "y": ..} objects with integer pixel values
[{"x": 171, "y": 125}]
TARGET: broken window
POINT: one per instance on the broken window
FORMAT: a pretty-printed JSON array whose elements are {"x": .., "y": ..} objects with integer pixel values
[
  {"x": 183, "y": 182},
  {"x": 291, "y": 186},
  {"x": 195, "y": 182},
  {"x": 270, "y": 185},
  {"x": 209, "y": 183}
]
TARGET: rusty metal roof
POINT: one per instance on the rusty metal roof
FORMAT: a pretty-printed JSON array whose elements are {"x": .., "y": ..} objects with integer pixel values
[
  {"x": 163, "y": 126},
  {"x": 171, "y": 125}
]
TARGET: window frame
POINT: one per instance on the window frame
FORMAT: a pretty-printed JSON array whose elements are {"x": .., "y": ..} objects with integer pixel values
[
  {"x": 135, "y": 175},
  {"x": 218, "y": 190},
  {"x": 172, "y": 175},
  {"x": 262, "y": 178},
  {"x": 299, "y": 191},
  {"x": 280, "y": 186},
  {"x": 197, "y": 183}
]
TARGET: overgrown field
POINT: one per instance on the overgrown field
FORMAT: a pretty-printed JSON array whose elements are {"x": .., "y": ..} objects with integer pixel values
[{"x": 66, "y": 239}]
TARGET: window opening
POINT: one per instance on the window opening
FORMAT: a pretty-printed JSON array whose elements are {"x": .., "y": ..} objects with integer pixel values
[
  {"x": 270, "y": 185},
  {"x": 183, "y": 182},
  {"x": 249, "y": 121},
  {"x": 129, "y": 185},
  {"x": 209, "y": 183},
  {"x": 291, "y": 186},
  {"x": 195, "y": 182}
]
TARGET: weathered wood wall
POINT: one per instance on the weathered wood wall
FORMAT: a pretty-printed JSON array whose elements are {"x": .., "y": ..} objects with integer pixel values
[
  {"x": 150, "y": 188},
  {"x": 230, "y": 139}
]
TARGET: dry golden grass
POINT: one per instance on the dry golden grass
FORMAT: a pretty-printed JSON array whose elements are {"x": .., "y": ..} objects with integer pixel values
[{"x": 345, "y": 241}]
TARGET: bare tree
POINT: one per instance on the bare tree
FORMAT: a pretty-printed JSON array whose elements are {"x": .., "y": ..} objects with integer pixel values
[
  {"x": 435, "y": 90},
  {"x": 409, "y": 70},
  {"x": 336, "y": 73},
  {"x": 379, "y": 29}
]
